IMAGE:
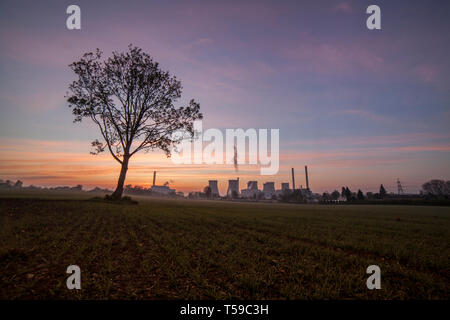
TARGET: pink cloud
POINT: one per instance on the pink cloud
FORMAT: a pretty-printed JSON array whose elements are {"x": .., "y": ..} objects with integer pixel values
[
  {"x": 24, "y": 46},
  {"x": 427, "y": 72},
  {"x": 37, "y": 101},
  {"x": 368, "y": 115},
  {"x": 332, "y": 59},
  {"x": 405, "y": 138},
  {"x": 426, "y": 148},
  {"x": 343, "y": 7}
]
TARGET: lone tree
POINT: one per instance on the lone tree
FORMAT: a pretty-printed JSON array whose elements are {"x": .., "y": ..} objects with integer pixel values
[{"x": 131, "y": 100}]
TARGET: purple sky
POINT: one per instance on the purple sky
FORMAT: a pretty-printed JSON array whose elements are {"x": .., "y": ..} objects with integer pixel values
[{"x": 359, "y": 107}]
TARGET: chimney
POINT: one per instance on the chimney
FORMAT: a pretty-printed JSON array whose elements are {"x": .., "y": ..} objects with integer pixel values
[
  {"x": 306, "y": 175},
  {"x": 154, "y": 177},
  {"x": 293, "y": 180}
]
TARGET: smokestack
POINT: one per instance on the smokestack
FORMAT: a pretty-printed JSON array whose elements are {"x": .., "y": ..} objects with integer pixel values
[
  {"x": 306, "y": 175},
  {"x": 154, "y": 177},
  {"x": 293, "y": 180}
]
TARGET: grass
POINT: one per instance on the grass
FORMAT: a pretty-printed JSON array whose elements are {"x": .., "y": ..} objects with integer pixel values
[{"x": 179, "y": 249}]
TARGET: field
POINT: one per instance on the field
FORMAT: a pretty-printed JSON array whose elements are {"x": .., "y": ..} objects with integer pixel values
[{"x": 180, "y": 249}]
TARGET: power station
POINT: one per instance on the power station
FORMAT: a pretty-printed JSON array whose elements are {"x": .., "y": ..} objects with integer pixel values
[
  {"x": 268, "y": 192},
  {"x": 161, "y": 190}
]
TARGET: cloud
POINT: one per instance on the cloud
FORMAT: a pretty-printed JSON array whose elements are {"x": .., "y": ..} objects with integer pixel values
[
  {"x": 38, "y": 101},
  {"x": 368, "y": 115},
  {"x": 345, "y": 7},
  {"x": 327, "y": 58},
  {"x": 394, "y": 139},
  {"x": 428, "y": 73},
  {"x": 203, "y": 41}
]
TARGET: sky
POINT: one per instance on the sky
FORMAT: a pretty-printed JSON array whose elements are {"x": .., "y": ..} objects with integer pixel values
[{"x": 360, "y": 107}]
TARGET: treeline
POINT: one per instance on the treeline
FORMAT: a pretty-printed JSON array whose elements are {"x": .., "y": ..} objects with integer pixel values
[
  {"x": 142, "y": 191},
  {"x": 347, "y": 195},
  {"x": 18, "y": 185},
  {"x": 137, "y": 190},
  {"x": 434, "y": 192},
  {"x": 8, "y": 184},
  {"x": 436, "y": 189}
]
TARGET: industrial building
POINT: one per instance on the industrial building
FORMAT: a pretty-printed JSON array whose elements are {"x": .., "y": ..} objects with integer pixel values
[
  {"x": 252, "y": 191},
  {"x": 306, "y": 192},
  {"x": 214, "y": 188},
  {"x": 233, "y": 188},
  {"x": 163, "y": 190},
  {"x": 268, "y": 192},
  {"x": 252, "y": 185}
]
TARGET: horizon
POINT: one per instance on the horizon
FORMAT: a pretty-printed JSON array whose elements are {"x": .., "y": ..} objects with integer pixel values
[
  {"x": 361, "y": 108},
  {"x": 222, "y": 186}
]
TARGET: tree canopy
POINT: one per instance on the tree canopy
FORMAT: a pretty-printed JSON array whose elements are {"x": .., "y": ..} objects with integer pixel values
[{"x": 131, "y": 100}]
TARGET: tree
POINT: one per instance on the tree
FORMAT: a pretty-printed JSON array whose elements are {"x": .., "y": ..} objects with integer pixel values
[
  {"x": 436, "y": 188},
  {"x": 207, "y": 190},
  {"x": 131, "y": 100},
  {"x": 347, "y": 193},
  {"x": 335, "y": 195},
  {"x": 18, "y": 184},
  {"x": 297, "y": 196},
  {"x": 382, "y": 192},
  {"x": 360, "y": 195},
  {"x": 326, "y": 196}
]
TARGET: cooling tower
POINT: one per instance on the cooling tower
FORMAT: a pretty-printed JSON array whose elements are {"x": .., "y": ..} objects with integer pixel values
[
  {"x": 269, "y": 187},
  {"x": 233, "y": 185},
  {"x": 252, "y": 185},
  {"x": 214, "y": 188}
]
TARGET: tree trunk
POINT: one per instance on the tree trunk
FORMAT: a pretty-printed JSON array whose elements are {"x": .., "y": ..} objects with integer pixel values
[{"x": 123, "y": 173}]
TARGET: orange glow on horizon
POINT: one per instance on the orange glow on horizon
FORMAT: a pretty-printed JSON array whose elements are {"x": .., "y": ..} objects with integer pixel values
[{"x": 57, "y": 163}]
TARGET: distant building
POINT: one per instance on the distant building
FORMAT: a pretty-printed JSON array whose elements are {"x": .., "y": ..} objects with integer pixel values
[
  {"x": 195, "y": 195},
  {"x": 269, "y": 190},
  {"x": 233, "y": 187},
  {"x": 162, "y": 190},
  {"x": 252, "y": 185},
  {"x": 269, "y": 187},
  {"x": 252, "y": 191},
  {"x": 214, "y": 189}
]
